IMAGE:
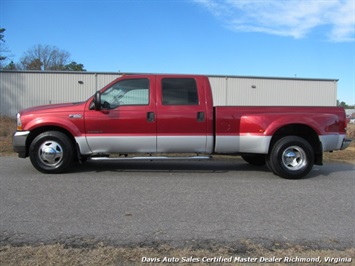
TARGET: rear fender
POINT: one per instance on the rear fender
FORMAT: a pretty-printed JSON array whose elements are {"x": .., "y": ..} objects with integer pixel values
[
  {"x": 307, "y": 126},
  {"x": 267, "y": 124}
]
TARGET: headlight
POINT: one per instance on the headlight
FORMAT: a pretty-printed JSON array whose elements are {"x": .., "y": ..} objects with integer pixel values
[{"x": 18, "y": 122}]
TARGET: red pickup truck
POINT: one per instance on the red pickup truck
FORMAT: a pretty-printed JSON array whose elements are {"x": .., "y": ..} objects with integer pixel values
[{"x": 173, "y": 114}]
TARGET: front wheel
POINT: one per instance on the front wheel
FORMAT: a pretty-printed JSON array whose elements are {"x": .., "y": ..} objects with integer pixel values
[
  {"x": 291, "y": 157},
  {"x": 52, "y": 152}
]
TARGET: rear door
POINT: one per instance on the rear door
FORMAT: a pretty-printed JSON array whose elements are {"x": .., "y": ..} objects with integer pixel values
[{"x": 181, "y": 115}]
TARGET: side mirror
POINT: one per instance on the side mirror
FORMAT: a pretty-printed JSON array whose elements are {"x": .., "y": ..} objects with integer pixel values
[{"x": 97, "y": 100}]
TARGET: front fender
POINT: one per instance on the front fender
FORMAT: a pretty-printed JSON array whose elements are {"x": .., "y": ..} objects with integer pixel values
[{"x": 74, "y": 127}]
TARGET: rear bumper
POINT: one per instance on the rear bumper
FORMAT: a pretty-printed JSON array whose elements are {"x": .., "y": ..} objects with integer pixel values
[
  {"x": 19, "y": 142},
  {"x": 345, "y": 144},
  {"x": 334, "y": 142}
]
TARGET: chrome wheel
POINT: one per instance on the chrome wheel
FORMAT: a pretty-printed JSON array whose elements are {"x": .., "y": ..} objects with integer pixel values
[
  {"x": 291, "y": 157},
  {"x": 294, "y": 158},
  {"x": 50, "y": 153}
]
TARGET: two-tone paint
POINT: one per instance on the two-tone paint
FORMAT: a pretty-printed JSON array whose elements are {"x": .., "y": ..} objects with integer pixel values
[{"x": 199, "y": 128}]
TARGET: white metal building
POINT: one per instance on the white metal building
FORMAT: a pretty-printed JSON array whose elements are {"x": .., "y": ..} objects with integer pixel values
[{"x": 22, "y": 89}]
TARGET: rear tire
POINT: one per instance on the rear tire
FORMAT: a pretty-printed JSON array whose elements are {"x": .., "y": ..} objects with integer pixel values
[
  {"x": 291, "y": 157},
  {"x": 52, "y": 152}
]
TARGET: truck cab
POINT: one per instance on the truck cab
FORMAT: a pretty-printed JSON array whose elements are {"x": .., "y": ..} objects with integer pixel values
[{"x": 149, "y": 114}]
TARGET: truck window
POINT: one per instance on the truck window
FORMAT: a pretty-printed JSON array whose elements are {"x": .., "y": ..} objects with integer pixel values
[
  {"x": 126, "y": 92},
  {"x": 179, "y": 91}
]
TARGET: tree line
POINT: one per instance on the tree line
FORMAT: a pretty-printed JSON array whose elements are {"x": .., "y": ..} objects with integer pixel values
[
  {"x": 345, "y": 105},
  {"x": 38, "y": 57}
]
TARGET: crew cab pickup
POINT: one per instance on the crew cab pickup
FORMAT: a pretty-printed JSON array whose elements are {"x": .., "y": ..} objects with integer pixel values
[{"x": 174, "y": 114}]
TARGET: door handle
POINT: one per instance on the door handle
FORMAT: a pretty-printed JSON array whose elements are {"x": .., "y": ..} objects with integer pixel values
[
  {"x": 200, "y": 116},
  {"x": 150, "y": 117}
]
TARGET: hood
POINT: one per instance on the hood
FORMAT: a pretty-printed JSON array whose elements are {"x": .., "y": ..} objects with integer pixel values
[{"x": 55, "y": 108}]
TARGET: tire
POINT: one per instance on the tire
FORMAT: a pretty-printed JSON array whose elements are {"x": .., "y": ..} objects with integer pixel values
[
  {"x": 268, "y": 163},
  {"x": 52, "y": 152},
  {"x": 256, "y": 160},
  {"x": 291, "y": 157}
]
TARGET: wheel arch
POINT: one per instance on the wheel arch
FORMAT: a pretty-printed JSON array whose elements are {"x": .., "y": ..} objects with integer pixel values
[
  {"x": 39, "y": 130},
  {"x": 303, "y": 131}
]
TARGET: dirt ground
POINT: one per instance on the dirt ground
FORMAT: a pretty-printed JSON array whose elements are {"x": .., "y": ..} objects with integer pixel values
[{"x": 249, "y": 253}]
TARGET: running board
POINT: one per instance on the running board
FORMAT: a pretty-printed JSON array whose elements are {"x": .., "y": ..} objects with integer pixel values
[{"x": 149, "y": 158}]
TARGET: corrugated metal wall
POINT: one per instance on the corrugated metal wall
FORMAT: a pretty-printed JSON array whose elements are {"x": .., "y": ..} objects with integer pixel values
[
  {"x": 249, "y": 91},
  {"x": 20, "y": 90}
]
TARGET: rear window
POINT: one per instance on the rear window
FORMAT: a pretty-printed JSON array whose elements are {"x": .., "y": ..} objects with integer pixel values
[{"x": 179, "y": 91}]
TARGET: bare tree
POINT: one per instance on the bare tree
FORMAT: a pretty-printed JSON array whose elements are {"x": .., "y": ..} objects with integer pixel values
[{"x": 45, "y": 57}]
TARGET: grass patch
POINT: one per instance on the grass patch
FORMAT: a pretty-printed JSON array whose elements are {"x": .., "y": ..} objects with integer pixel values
[
  {"x": 7, "y": 128},
  {"x": 108, "y": 255}
]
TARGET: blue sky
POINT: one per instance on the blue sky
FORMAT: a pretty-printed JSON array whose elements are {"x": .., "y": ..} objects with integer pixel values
[{"x": 303, "y": 38}]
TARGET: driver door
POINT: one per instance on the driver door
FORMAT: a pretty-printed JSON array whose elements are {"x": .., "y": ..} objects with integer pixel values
[{"x": 126, "y": 122}]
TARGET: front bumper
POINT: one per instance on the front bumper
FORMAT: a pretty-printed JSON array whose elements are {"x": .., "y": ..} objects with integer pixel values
[
  {"x": 19, "y": 142},
  {"x": 345, "y": 144}
]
